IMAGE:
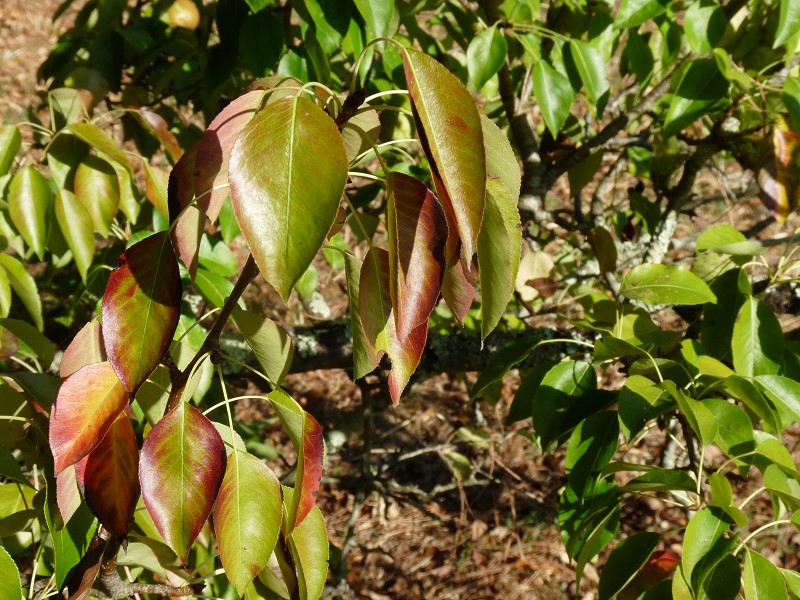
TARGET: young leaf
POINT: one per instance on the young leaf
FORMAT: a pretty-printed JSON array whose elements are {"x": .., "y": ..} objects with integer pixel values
[
  {"x": 110, "y": 477},
  {"x": 29, "y": 201},
  {"x": 306, "y": 436},
  {"x": 180, "y": 471},
  {"x": 24, "y": 286},
  {"x": 757, "y": 342},
  {"x": 87, "y": 404},
  {"x": 97, "y": 188},
  {"x": 417, "y": 235},
  {"x": 625, "y": 561},
  {"x": 76, "y": 226},
  {"x": 86, "y": 348},
  {"x": 633, "y": 13},
  {"x": 486, "y": 53},
  {"x": 309, "y": 546},
  {"x": 499, "y": 251},
  {"x": 554, "y": 95},
  {"x": 700, "y": 87},
  {"x": 247, "y": 517},
  {"x": 661, "y": 284},
  {"x": 501, "y": 162},
  {"x": 10, "y": 142},
  {"x": 788, "y": 23},
  {"x": 270, "y": 343},
  {"x": 449, "y": 127},
  {"x": 762, "y": 580},
  {"x": 283, "y": 211},
  {"x": 141, "y": 307}
]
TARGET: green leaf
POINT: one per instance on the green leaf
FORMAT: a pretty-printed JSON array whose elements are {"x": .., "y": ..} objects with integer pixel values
[
  {"x": 789, "y": 22},
  {"x": 791, "y": 99},
  {"x": 364, "y": 357},
  {"x": 554, "y": 95},
  {"x": 309, "y": 546},
  {"x": 101, "y": 141},
  {"x": 141, "y": 307},
  {"x": 38, "y": 343},
  {"x": 625, "y": 561},
  {"x": 591, "y": 446},
  {"x": 88, "y": 403},
  {"x": 700, "y": 87},
  {"x": 633, "y": 13},
  {"x": 560, "y": 389},
  {"x": 661, "y": 480},
  {"x": 593, "y": 72},
  {"x": 285, "y": 213},
  {"x": 261, "y": 42},
  {"x": 97, "y": 188},
  {"x": 181, "y": 469},
  {"x": 215, "y": 288},
  {"x": 705, "y": 24},
  {"x": 501, "y": 162},
  {"x": 486, "y": 53},
  {"x": 734, "y": 432},
  {"x": 380, "y": 17},
  {"x": 757, "y": 342},
  {"x": 499, "y": 251},
  {"x": 247, "y": 517},
  {"x": 705, "y": 544},
  {"x": 762, "y": 579},
  {"x": 661, "y": 284},
  {"x": 10, "y": 142},
  {"x": 10, "y": 586},
  {"x": 306, "y": 435},
  {"x": 76, "y": 226},
  {"x": 783, "y": 392},
  {"x": 724, "y": 581},
  {"x": 449, "y": 127},
  {"x": 699, "y": 416},
  {"x": 29, "y": 202},
  {"x": 71, "y": 540},
  {"x": 216, "y": 256},
  {"x": 640, "y": 400},
  {"x": 502, "y": 361},
  {"x": 269, "y": 342}
]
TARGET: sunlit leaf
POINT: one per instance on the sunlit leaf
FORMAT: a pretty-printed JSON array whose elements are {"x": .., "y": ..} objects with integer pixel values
[
  {"x": 486, "y": 53},
  {"x": 156, "y": 182},
  {"x": 633, "y": 13},
  {"x": 111, "y": 477},
  {"x": 269, "y": 342},
  {"x": 365, "y": 358},
  {"x": 87, "y": 404},
  {"x": 10, "y": 142},
  {"x": 214, "y": 151},
  {"x": 247, "y": 517},
  {"x": 501, "y": 161},
  {"x": 762, "y": 580},
  {"x": 188, "y": 231},
  {"x": 157, "y": 126},
  {"x": 309, "y": 546},
  {"x": 705, "y": 24},
  {"x": 10, "y": 586},
  {"x": 786, "y": 145},
  {"x": 554, "y": 94},
  {"x": 700, "y": 87},
  {"x": 76, "y": 226},
  {"x": 306, "y": 436},
  {"x": 141, "y": 307},
  {"x": 459, "y": 287},
  {"x": 592, "y": 70},
  {"x": 100, "y": 140},
  {"x": 284, "y": 211},
  {"x": 788, "y": 23},
  {"x": 86, "y": 348},
  {"x": 450, "y": 130},
  {"x": 29, "y": 201},
  {"x": 379, "y": 17},
  {"x": 180, "y": 471},
  {"x": 129, "y": 202},
  {"x": 561, "y": 388},
  {"x": 705, "y": 542},
  {"x": 97, "y": 188},
  {"x": 661, "y": 284},
  {"x": 757, "y": 342},
  {"x": 68, "y": 497}
]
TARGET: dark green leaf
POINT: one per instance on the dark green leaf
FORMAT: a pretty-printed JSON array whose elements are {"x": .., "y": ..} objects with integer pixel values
[
  {"x": 705, "y": 24},
  {"x": 559, "y": 391},
  {"x": 554, "y": 95},
  {"x": 661, "y": 480},
  {"x": 591, "y": 446},
  {"x": 485, "y": 55},
  {"x": 700, "y": 87},
  {"x": 503, "y": 361},
  {"x": 625, "y": 562},
  {"x": 705, "y": 544}
]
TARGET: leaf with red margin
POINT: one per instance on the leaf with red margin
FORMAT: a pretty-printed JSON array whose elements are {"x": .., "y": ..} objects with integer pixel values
[
  {"x": 141, "y": 307},
  {"x": 214, "y": 150},
  {"x": 110, "y": 477},
  {"x": 188, "y": 231},
  {"x": 157, "y": 126},
  {"x": 287, "y": 174},
  {"x": 86, "y": 348},
  {"x": 156, "y": 183},
  {"x": 786, "y": 145},
  {"x": 180, "y": 471},
  {"x": 452, "y": 139},
  {"x": 306, "y": 436},
  {"x": 459, "y": 288},
  {"x": 247, "y": 517},
  {"x": 86, "y": 406},
  {"x": 417, "y": 236}
]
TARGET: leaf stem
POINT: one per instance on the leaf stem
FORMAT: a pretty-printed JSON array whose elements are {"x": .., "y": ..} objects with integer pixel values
[{"x": 743, "y": 543}]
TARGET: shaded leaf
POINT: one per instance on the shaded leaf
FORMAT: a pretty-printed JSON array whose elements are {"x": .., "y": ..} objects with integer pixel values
[
  {"x": 365, "y": 358},
  {"x": 700, "y": 87},
  {"x": 625, "y": 562},
  {"x": 502, "y": 361},
  {"x": 29, "y": 202},
  {"x": 486, "y": 53},
  {"x": 247, "y": 517},
  {"x": 705, "y": 544},
  {"x": 449, "y": 127},
  {"x": 157, "y": 126},
  {"x": 591, "y": 446},
  {"x": 141, "y": 307},
  {"x": 561, "y": 388},
  {"x": 36, "y": 341},
  {"x": 554, "y": 94},
  {"x": 757, "y": 342},
  {"x": 379, "y": 16},
  {"x": 86, "y": 406},
  {"x": 284, "y": 214},
  {"x": 661, "y": 284},
  {"x": 76, "y": 226},
  {"x": 86, "y": 348},
  {"x": 786, "y": 146},
  {"x": 110, "y": 477},
  {"x": 308, "y": 544},
  {"x": 97, "y": 188},
  {"x": 71, "y": 540},
  {"x": 269, "y": 342},
  {"x": 180, "y": 471}
]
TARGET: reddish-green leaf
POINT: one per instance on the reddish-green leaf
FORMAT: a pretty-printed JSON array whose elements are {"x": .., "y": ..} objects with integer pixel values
[
  {"x": 141, "y": 307},
  {"x": 188, "y": 231},
  {"x": 459, "y": 288},
  {"x": 86, "y": 406},
  {"x": 180, "y": 471},
  {"x": 449, "y": 126},
  {"x": 86, "y": 348},
  {"x": 29, "y": 201},
  {"x": 247, "y": 517},
  {"x": 110, "y": 477},
  {"x": 76, "y": 226},
  {"x": 97, "y": 188},
  {"x": 417, "y": 236},
  {"x": 157, "y": 126},
  {"x": 214, "y": 151},
  {"x": 309, "y": 547},
  {"x": 786, "y": 146},
  {"x": 156, "y": 181},
  {"x": 306, "y": 436},
  {"x": 500, "y": 158},
  {"x": 68, "y": 497},
  {"x": 287, "y": 173},
  {"x": 128, "y": 193}
]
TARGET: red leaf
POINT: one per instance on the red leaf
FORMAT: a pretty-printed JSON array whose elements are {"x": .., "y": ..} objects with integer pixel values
[
  {"x": 86, "y": 348},
  {"x": 86, "y": 406},
  {"x": 158, "y": 127},
  {"x": 417, "y": 236},
  {"x": 191, "y": 223},
  {"x": 110, "y": 477},
  {"x": 180, "y": 471},
  {"x": 68, "y": 496},
  {"x": 141, "y": 308},
  {"x": 214, "y": 150},
  {"x": 452, "y": 138}
]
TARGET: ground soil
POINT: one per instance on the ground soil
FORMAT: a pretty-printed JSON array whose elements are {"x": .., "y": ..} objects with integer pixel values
[{"x": 436, "y": 498}]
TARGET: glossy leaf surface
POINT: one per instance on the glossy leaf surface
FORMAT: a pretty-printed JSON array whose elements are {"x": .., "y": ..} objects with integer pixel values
[
  {"x": 29, "y": 201},
  {"x": 87, "y": 404},
  {"x": 633, "y": 13},
  {"x": 97, "y": 188},
  {"x": 757, "y": 342},
  {"x": 789, "y": 22},
  {"x": 450, "y": 130},
  {"x": 76, "y": 226},
  {"x": 309, "y": 546},
  {"x": 141, "y": 307},
  {"x": 180, "y": 471},
  {"x": 762, "y": 580},
  {"x": 283, "y": 211},
  {"x": 99, "y": 139},
  {"x": 10, "y": 142},
  {"x": 247, "y": 517},
  {"x": 560, "y": 389},
  {"x": 661, "y": 284},
  {"x": 24, "y": 286},
  {"x": 554, "y": 94},
  {"x": 269, "y": 342},
  {"x": 111, "y": 477},
  {"x": 86, "y": 348},
  {"x": 700, "y": 87},
  {"x": 306, "y": 436},
  {"x": 486, "y": 53}
]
